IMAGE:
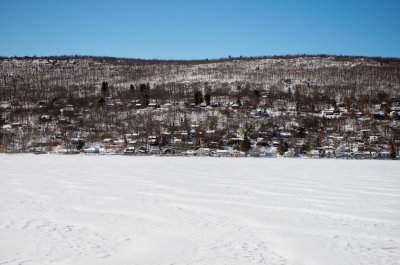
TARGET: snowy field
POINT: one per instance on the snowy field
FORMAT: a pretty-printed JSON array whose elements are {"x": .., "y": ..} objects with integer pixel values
[{"x": 153, "y": 210}]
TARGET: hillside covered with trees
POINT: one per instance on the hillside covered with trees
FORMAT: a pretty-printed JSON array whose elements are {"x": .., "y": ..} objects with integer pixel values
[{"x": 332, "y": 106}]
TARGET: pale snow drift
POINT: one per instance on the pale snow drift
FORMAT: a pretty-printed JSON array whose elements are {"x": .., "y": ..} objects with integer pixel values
[{"x": 154, "y": 210}]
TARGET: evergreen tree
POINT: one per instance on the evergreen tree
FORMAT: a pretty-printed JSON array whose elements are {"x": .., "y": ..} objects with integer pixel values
[
  {"x": 283, "y": 147},
  {"x": 245, "y": 146},
  {"x": 104, "y": 87},
  {"x": 305, "y": 148},
  {"x": 297, "y": 99},
  {"x": 145, "y": 94},
  {"x": 80, "y": 145},
  {"x": 144, "y": 88},
  {"x": 101, "y": 101},
  {"x": 207, "y": 98},
  {"x": 392, "y": 153},
  {"x": 198, "y": 98}
]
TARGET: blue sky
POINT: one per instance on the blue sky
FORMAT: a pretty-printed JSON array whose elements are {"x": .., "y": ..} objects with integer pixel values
[{"x": 186, "y": 29}]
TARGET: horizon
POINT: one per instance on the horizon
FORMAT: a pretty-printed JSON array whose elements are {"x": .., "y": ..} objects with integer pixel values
[
  {"x": 180, "y": 30},
  {"x": 283, "y": 56}
]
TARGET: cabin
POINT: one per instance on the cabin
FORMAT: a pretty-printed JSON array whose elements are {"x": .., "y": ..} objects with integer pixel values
[
  {"x": 154, "y": 151},
  {"x": 380, "y": 115},
  {"x": 153, "y": 141},
  {"x": 5, "y": 105},
  {"x": 168, "y": 151},
  {"x": 90, "y": 150},
  {"x": 142, "y": 150},
  {"x": 45, "y": 118},
  {"x": 189, "y": 152},
  {"x": 42, "y": 103},
  {"x": 222, "y": 153},
  {"x": 203, "y": 151},
  {"x": 130, "y": 150},
  {"x": 314, "y": 154},
  {"x": 235, "y": 106},
  {"x": 289, "y": 153},
  {"x": 68, "y": 109},
  {"x": 237, "y": 153},
  {"x": 254, "y": 152},
  {"x": 153, "y": 105}
]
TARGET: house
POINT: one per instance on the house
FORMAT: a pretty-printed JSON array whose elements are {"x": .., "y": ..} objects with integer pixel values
[
  {"x": 130, "y": 150},
  {"x": 220, "y": 153},
  {"x": 153, "y": 141},
  {"x": 90, "y": 150},
  {"x": 5, "y": 105},
  {"x": 289, "y": 153},
  {"x": 342, "y": 151},
  {"x": 167, "y": 105},
  {"x": 314, "y": 154},
  {"x": 237, "y": 153},
  {"x": 213, "y": 145},
  {"x": 132, "y": 143},
  {"x": 168, "y": 151},
  {"x": 119, "y": 142},
  {"x": 380, "y": 115},
  {"x": 142, "y": 150},
  {"x": 45, "y": 118},
  {"x": 373, "y": 139},
  {"x": 7, "y": 127},
  {"x": 68, "y": 109},
  {"x": 189, "y": 152},
  {"x": 42, "y": 104},
  {"x": 154, "y": 151},
  {"x": 203, "y": 151},
  {"x": 107, "y": 140},
  {"x": 394, "y": 115},
  {"x": 235, "y": 106},
  {"x": 214, "y": 105},
  {"x": 254, "y": 152},
  {"x": 153, "y": 105},
  {"x": 329, "y": 152},
  {"x": 383, "y": 154},
  {"x": 328, "y": 112},
  {"x": 285, "y": 134},
  {"x": 269, "y": 152}
]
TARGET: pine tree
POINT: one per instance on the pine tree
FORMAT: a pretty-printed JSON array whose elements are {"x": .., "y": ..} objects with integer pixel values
[
  {"x": 198, "y": 98},
  {"x": 104, "y": 87},
  {"x": 283, "y": 147},
  {"x": 245, "y": 146},
  {"x": 392, "y": 153},
  {"x": 207, "y": 98}
]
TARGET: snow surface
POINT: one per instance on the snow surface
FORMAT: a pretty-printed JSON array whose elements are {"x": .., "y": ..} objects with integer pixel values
[{"x": 154, "y": 210}]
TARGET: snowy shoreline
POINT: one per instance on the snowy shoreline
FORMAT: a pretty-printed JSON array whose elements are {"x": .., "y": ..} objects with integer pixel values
[{"x": 197, "y": 156}]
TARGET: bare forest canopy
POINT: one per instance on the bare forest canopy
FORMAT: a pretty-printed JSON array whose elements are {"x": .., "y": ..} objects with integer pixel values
[{"x": 60, "y": 77}]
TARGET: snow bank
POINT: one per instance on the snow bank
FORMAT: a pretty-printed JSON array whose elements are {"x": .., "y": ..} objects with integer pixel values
[{"x": 154, "y": 210}]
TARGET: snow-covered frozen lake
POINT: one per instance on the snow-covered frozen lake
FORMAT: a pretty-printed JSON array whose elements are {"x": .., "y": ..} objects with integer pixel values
[{"x": 154, "y": 210}]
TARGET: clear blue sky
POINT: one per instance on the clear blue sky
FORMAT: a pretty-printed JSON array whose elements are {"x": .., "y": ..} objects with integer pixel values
[{"x": 189, "y": 29}]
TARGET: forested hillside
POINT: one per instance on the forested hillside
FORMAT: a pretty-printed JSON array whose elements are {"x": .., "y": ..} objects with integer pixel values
[{"x": 299, "y": 103}]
